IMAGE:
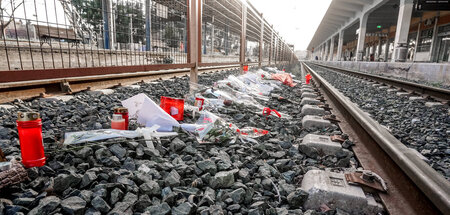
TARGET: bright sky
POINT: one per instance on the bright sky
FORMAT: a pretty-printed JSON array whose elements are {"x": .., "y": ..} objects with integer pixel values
[{"x": 295, "y": 20}]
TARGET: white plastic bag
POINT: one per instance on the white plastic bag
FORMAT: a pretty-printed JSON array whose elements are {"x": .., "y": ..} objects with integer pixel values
[
  {"x": 104, "y": 134},
  {"x": 148, "y": 113},
  {"x": 94, "y": 135}
]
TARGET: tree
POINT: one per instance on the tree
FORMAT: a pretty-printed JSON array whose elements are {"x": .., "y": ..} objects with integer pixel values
[
  {"x": 90, "y": 11},
  {"x": 126, "y": 13},
  {"x": 5, "y": 6}
]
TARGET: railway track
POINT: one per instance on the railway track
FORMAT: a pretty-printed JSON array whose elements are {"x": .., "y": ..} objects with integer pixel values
[
  {"x": 9, "y": 91},
  {"x": 414, "y": 187},
  {"x": 437, "y": 93}
]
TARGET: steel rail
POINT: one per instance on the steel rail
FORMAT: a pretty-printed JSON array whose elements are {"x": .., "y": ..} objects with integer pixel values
[
  {"x": 436, "y": 92},
  {"x": 433, "y": 186}
]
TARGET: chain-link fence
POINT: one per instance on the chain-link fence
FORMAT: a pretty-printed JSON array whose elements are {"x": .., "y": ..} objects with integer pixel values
[{"x": 59, "y": 34}]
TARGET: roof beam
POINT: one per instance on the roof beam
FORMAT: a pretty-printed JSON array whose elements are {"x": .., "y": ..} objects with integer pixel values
[
  {"x": 335, "y": 15},
  {"x": 343, "y": 13},
  {"x": 362, "y": 3},
  {"x": 348, "y": 6},
  {"x": 340, "y": 18},
  {"x": 335, "y": 22},
  {"x": 368, "y": 1}
]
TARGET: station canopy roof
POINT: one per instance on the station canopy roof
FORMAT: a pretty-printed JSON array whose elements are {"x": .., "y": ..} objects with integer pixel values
[{"x": 346, "y": 13}]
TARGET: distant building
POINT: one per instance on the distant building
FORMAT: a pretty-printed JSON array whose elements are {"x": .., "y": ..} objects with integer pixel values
[
  {"x": 43, "y": 33},
  {"x": 301, "y": 54}
]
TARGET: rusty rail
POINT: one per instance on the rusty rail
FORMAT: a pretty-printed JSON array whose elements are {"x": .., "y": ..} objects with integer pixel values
[{"x": 29, "y": 85}]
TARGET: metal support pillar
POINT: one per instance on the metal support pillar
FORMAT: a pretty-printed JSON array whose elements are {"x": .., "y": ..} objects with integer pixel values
[
  {"x": 261, "y": 42},
  {"x": 340, "y": 44},
  {"x": 274, "y": 49},
  {"x": 243, "y": 35},
  {"x": 401, "y": 33},
  {"x": 148, "y": 24},
  {"x": 366, "y": 53},
  {"x": 379, "y": 48},
  {"x": 199, "y": 30},
  {"x": 131, "y": 31},
  {"x": 277, "y": 44},
  {"x": 194, "y": 22},
  {"x": 322, "y": 51},
  {"x": 372, "y": 51},
  {"x": 433, "y": 48},
  {"x": 226, "y": 40},
  {"x": 318, "y": 50},
  {"x": 361, "y": 36},
  {"x": 327, "y": 50},
  {"x": 213, "y": 35},
  {"x": 271, "y": 47},
  {"x": 108, "y": 26},
  {"x": 386, "y": 53},
  {"x": 282, "y": 52},
  {"x": 330, "y": 58},
  {"x": 417, "y": 39}
]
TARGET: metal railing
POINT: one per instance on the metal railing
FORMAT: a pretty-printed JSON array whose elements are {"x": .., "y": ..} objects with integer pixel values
[{"x": 74, "y": 36}]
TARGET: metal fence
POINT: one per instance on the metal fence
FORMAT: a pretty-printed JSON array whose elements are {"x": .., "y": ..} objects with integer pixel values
[{"x": 66, "y": 34}]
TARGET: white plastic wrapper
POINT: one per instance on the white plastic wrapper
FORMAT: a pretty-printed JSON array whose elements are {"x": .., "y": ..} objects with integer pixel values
[
  {"x": 148, "y": 113},
  {"x": 104, "y": 134},
  {"x": 205, "y": 123},
  {"x": 94, "y": 135}
]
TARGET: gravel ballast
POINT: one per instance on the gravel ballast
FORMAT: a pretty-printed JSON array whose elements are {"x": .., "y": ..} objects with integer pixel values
[
  {"x": 179, "y": 176},
  {"x": 425, "y": 129}
]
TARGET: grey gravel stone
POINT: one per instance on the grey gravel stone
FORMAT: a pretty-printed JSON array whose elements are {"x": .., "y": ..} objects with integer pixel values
[
  {"x": 118, "y": 151},
  {"x": 88, "y": 178},
  {"x": 182, "y": 209},
  {"x": 86, "y": 195},
  {"x": 238, "y": 195},
  {"x": 143, "y": 202},
  {"x": 173, "y": 179},
  {"x": 64, "y": 181},
  {"x": 150, "y": 188},
  {"x": 46, "y": 206},
  {"x": 116, "y": 195},
  {"x": 99, "y": 204},
  {"x": 92, "y": 211},
  {"x": 308, "y": 151},
  {"x": 207, "y": 166},
  {"x": 177, "y": 145},
  {"x": 297, "y": 198},
  {"x": 73, "y": 205},
  {"x": 25, "y": 201},
  {"x": 222, "y": 179},
  {"x": 161, "y": 209},
  {"x": 85, "y": 152}
]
